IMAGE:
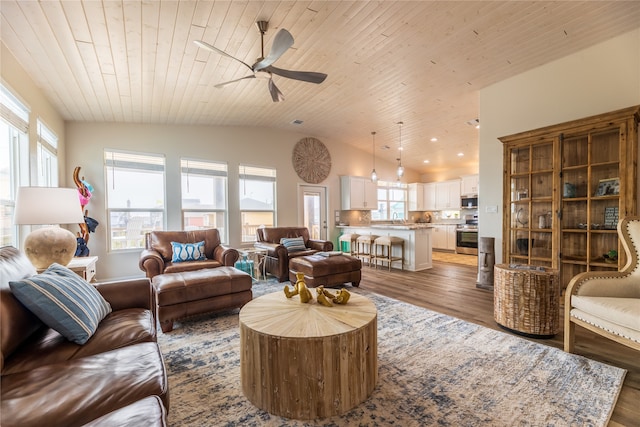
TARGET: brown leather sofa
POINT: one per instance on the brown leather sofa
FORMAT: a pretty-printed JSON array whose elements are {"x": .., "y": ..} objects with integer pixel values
[
  {"x": 277, "y": 258},
  {"x": 156, "y": 257},
  {"x": 47, "y": 380}
]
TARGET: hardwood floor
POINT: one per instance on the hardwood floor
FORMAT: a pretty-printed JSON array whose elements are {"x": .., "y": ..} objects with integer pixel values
[{"x": 451, "y": 289}]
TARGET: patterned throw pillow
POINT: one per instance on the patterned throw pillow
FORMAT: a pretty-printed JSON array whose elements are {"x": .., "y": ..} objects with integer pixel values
[
  {"x": 187, "y": 252},
  {"x": 293, "y": 244},
  {"x": 63, "y": 301}
]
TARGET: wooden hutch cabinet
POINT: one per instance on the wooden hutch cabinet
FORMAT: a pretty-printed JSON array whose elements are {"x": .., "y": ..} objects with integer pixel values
[{"x": 565, "y": 186}]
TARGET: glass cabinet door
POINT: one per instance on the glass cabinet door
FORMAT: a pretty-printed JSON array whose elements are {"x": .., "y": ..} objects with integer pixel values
[{"x": 531, "y": 204}]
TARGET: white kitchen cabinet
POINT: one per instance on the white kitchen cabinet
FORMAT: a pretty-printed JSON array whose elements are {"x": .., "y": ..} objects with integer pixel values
[
  {"x": 416, "y": 196},
  {"x": 429, "y": 196},
  {"x": 358, "y": 193},
  {"x": 451, "y": 237},
  {"x": 439, "y": 236},
  {"x": 444, "y": 237},
  {"x": 448, "y": 195},
  {"x": 469, "y": 185}
]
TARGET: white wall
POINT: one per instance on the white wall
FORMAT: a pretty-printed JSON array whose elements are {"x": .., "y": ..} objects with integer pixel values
[
  {"x": 255, "y": 146},
  {"x": 602, "y": 78},
  {"x": 19, "y": 82}
]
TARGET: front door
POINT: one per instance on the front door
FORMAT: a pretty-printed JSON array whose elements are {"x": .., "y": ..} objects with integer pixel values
[{"x": 312, "y": 211}]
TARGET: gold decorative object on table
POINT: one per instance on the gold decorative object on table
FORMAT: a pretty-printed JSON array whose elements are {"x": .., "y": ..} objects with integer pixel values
[{"x": 300, "y": 288}]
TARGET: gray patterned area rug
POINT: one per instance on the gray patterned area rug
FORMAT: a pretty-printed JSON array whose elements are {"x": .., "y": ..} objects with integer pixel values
[{"x": 433, "y": 369}]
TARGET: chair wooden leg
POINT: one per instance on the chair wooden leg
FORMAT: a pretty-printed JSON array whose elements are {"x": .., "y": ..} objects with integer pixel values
[{"x": 569, "y": 335}]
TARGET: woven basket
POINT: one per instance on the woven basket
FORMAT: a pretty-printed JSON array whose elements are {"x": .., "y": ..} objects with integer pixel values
[{"x": 527, "y": 301}]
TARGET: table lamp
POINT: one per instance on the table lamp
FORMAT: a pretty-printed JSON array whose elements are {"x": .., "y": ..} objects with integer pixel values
[{"x": 48, "y": 205}]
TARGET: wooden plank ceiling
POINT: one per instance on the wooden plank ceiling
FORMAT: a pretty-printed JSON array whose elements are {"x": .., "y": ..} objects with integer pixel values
[{"x": 420, "y": 62}]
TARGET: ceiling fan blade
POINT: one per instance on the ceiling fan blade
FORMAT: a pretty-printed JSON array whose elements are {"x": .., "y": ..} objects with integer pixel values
[
  {"x": 206, "y": 45},
  {"x": 219, "y": 85},
  {"x": 305, "y": 76},
  {"x": 282, "y": 41},
  {"x": 276, "y": 95}
]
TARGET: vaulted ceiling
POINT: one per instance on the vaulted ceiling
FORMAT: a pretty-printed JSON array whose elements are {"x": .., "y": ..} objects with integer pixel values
[{"x": 419, "y": 62}]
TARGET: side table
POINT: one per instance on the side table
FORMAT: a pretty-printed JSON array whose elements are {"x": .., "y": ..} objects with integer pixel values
[
  {"x": 526, "y": 300},
  {"x": 256, "y": 255},
  {"x": 84, "y": 267}
]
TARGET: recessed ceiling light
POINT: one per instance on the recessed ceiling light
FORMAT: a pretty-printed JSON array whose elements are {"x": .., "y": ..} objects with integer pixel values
[
  {"x": 460, "y": 154},
  {"x": 425, "y": 161},
  {"x": 474, "y": 122},
  {"x": 434, "y": 139}
]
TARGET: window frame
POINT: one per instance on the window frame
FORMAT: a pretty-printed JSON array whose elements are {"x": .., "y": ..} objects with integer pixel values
[
  {"x": 256, "y": 173},
  {"x": 384, "y": 203},
  {"x": 47, "y": 155},
  {"x": 199, "y": 166},
  {"x": 158, "y": 164},
  {"x": 15, "y": 115}
]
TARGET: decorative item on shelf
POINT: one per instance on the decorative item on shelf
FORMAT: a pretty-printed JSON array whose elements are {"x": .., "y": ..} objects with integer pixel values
[
  {"x": 311, "y": 160},
  {"x": 522, "y": 194},
  {"x": 400, "y": 170},
  {"x": 611, "y": 218},
  {"x": 48, "y": 206},
  {"x": 300, "y": 288},
  {"x": 374, "y": 175},
  {"x": 569, "y": 190},
  {"x": 611, "y": 257},
  {"x": 522, "y": 217},
  {"x": 608, "y": 187},
  {"x": 523, "y": 245}
]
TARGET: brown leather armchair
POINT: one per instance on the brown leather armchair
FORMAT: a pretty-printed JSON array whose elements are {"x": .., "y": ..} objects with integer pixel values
[
  {"x": 156, "y": 257},
  {"x": 277, "y": 257}
]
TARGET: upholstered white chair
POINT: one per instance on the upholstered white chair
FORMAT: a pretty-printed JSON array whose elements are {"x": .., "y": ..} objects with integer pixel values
[{"x": 608, "y": 303}]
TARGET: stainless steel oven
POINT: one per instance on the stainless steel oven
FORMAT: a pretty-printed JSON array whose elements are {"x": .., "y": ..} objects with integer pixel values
[
  {"x": 467, "y": 236},
  {"x": 467, "y": 241}
]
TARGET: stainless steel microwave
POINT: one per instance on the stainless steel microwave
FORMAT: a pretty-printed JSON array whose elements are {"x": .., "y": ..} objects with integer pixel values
[{"x": 469, "y": 202}]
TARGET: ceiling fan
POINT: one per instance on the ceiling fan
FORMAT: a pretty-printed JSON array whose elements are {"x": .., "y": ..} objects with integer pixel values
[{"x": 263, "y": 68}]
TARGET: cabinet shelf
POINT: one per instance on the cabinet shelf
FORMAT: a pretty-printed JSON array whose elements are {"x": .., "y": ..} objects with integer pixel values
[{"x": 559, "y": 169}]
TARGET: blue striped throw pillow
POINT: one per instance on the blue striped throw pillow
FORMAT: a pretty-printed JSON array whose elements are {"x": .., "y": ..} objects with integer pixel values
[
  {"x": 63, "y": 301},
  {"x": 187, "y": 251},
  {"x": 293, "y": 244}
]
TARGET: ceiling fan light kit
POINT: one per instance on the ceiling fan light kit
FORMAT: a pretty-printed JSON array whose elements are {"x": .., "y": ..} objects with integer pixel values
[{"x": 263, "y": 69}]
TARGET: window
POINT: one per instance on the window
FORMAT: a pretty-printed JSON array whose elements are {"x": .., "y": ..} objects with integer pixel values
[
  {"x": 135, "y": 197},
  {"x": 204, "y": 196},
  {"x": 392, "y": 201},
  {"x": 47, "y": 149},
  {"x": 14, "y": 161},
  {"x": 257, "y": 200}
]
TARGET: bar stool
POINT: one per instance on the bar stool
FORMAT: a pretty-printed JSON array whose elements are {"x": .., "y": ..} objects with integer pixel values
[
  {"x": 382, "y": 255},
  {"x": 351, "y": 240},
  {"x": 365, "y": 248}
]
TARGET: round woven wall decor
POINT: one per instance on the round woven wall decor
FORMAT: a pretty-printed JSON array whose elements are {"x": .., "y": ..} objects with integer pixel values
[{"x": 311, "y": 160}]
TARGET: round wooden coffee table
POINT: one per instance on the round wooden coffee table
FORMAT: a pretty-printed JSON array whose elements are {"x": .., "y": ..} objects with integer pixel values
[{"x": 307, "y": 361}]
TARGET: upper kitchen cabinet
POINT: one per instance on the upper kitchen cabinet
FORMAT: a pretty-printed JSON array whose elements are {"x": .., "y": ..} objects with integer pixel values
[
  {"x": 469, "y": 185},
  {"x": 565, "y": 187},
  {"x": 416, "y": 196},
  {"x": 429, "y": 196},
  {"x": 358, "y": 193},
  {"x": 448, "y": 195}
]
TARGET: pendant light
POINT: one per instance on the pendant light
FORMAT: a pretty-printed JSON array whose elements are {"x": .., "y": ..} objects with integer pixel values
[
  {"x": 374, "y": 175},
  {"x": 400, "y": 170}
]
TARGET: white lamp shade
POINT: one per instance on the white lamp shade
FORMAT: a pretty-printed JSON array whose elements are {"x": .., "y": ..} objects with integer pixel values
[{"x": 47, "y": 205}]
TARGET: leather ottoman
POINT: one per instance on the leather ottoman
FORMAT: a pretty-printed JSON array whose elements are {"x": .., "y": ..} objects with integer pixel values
[
  {"x": 180, "y": 295},
  {"x": 326, "y": 270}
]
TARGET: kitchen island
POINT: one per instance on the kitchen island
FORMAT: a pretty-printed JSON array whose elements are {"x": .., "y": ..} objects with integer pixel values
[{"x": 417, "y": 242}]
